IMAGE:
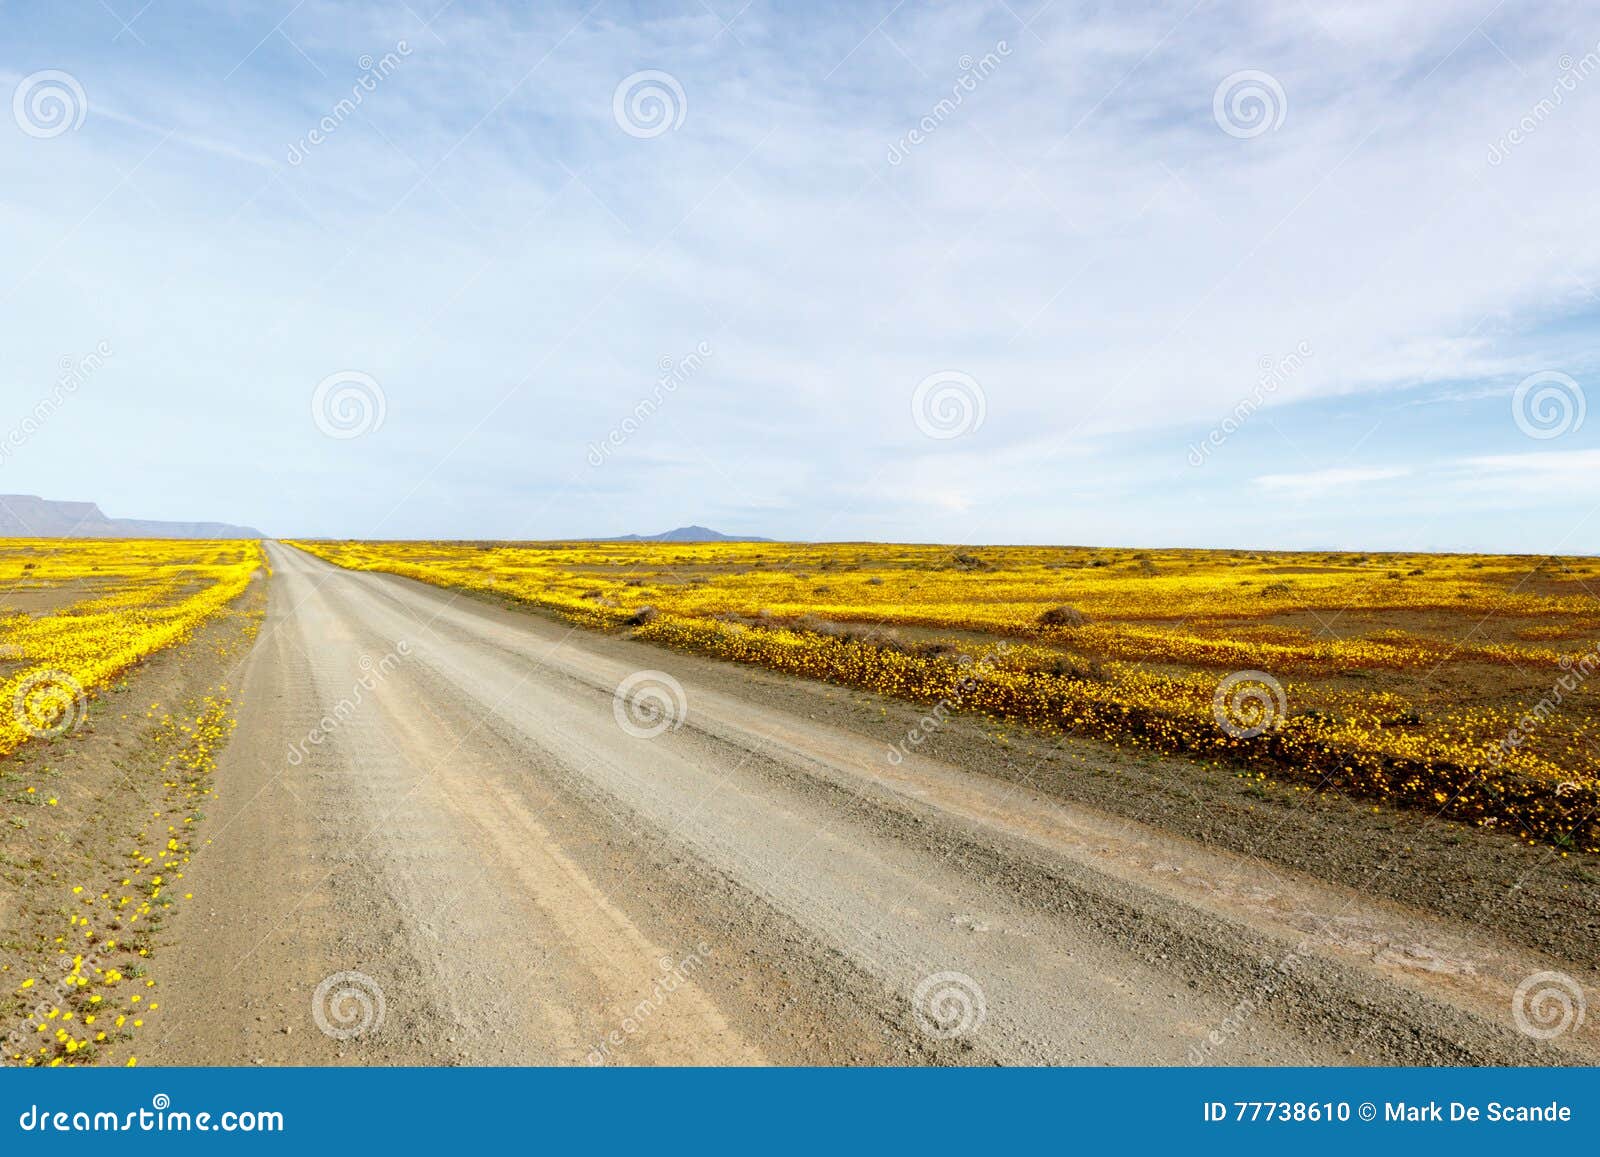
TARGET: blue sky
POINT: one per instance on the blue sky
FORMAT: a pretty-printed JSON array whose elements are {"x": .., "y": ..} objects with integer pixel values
[{"x": 778, "y": 291}]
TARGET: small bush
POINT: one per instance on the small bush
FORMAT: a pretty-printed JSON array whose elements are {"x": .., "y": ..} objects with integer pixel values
[
  {"x": 1063, "y": 616},
  {"x": 1072, "y": 667}
]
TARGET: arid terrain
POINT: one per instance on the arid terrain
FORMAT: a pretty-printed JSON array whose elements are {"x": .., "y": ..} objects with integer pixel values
[{"x": 453, "y": 828}]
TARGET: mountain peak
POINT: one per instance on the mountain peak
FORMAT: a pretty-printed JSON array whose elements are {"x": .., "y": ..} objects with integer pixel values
[{"x": 690, "y": 534}]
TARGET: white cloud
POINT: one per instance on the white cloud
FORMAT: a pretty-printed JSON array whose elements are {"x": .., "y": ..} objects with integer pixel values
[
  {"x": 1338, "y": 478},
  {"x": 1540, "y": 473}
]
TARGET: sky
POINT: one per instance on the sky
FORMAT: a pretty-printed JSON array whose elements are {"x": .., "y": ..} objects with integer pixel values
[{"x": 1287, "y": 276}]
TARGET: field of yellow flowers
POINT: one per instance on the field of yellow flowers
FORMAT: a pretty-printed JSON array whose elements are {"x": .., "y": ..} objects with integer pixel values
[
  {"x": 76, "y": 613},
  {"x": 1467, "y": 686},
  {"x": 83, "y": 914}
]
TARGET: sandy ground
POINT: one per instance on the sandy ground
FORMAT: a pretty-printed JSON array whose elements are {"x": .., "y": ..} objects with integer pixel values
[{"x": 431, "y": 810}]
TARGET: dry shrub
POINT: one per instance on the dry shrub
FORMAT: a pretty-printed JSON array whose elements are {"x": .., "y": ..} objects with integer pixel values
[
  {"x": 1063, "y": 616},
  {"x": 1075, "y": 667}
]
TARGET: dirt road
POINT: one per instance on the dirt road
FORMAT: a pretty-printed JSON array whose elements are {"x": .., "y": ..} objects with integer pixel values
[{"x": 440, "y": 839}]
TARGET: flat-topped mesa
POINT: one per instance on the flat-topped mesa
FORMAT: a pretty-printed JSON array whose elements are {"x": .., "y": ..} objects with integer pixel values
[{"x": 29, "y": 516}]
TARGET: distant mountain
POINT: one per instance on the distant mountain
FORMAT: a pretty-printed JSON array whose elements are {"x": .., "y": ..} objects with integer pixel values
[
  {"x": 688, "y": 534},
  {"x": 29, "y": 516}
]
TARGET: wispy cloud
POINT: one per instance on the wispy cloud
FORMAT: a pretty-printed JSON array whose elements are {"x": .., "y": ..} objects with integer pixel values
[
  {"x": 1338, "y": 478},
  {"x": 1547, "y": 473}
]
